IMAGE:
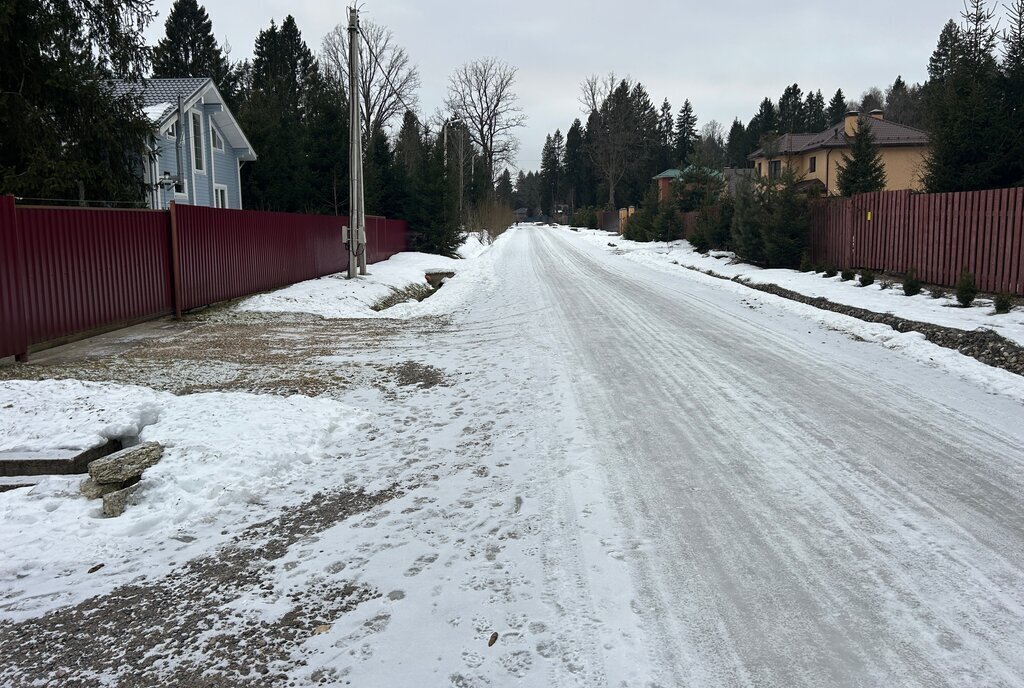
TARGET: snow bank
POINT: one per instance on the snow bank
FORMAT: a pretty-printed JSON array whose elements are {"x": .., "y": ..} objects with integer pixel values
[
  {"x": 336, "y": 297},
  {"x": 475, "y": 244},
  {"x": 944, "y": 312},
  {"x": 230, "y": 459}
]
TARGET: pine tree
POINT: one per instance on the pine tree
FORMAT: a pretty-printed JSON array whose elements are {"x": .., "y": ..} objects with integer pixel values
[
  {"x": 62, "y": 125},
  {"x": 189, "y": 48},
  {"x": 791, "y": 110},
  {"x": 836, "y": 108},
  {"x": 685, "y": 133},
  {"x": 862, "y": 171}
]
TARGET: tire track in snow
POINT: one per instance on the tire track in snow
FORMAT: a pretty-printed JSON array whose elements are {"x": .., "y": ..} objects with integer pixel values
[{"x": 844, "y": 544}]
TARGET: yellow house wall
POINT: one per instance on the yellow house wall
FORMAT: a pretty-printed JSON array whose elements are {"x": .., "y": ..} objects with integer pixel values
[{"x": 903, "y": 166}]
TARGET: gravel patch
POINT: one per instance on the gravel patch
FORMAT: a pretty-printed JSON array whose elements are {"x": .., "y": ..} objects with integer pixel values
[{"x": 184, "y": 630}]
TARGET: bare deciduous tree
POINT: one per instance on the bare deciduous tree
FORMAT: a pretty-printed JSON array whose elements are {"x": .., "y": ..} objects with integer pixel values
[
  {"x": 595, "y": 90},
  {"x": 480, "y": 94},
  {"x": 388, "y": 80},
  {"x": 612, "y": 128}
]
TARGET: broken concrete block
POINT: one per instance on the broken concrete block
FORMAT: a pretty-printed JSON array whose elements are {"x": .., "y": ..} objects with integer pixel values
[
  {"x": 126, "y": 464},
  {"x": 93, "y": 490},
  {"x": 114, "y": 503}
]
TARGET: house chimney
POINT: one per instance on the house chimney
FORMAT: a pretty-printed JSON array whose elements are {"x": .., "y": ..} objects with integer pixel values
[
  {"x": 851, "y": 123},
  {"x": 877, "y": 114}
]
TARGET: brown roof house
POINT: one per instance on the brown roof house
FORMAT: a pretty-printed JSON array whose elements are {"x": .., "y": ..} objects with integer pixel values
[{"x": 817, "y": 156}]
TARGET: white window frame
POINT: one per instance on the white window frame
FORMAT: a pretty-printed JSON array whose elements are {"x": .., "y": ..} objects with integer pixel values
[
  {"x": 215, "y": 137},
  {"x": 171, "y": 132},
  {"x": 198, "y": 149},
  {"x": 184, "y": 189},
  {"x": 217, "y": 189}
]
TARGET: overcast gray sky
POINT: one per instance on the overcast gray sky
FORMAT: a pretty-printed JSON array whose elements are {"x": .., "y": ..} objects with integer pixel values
[{"x": 724, "y": 55}]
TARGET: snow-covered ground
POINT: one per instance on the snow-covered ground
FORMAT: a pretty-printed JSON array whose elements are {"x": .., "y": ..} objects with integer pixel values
[
  {"x": 941, "y": 311},
  {"x": 633, "y": 474},
  {"x": 336, "y": 297}
]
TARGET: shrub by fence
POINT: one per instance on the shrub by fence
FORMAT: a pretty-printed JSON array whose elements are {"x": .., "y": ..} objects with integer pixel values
[{"x": 64, "y": 271}]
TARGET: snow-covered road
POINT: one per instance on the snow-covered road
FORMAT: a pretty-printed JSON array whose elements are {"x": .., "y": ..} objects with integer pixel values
[
  {"x": 793, "y": 507},
  {"x": 634, "y": 474}
]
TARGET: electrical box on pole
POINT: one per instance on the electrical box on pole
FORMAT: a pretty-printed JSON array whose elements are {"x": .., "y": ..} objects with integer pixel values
[{"x": 356, "y": 231}]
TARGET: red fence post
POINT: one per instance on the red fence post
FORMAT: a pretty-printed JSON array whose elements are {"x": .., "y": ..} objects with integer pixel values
[
  {"x": 14, "y": 338},
  {"x": 175, "y": 262}
]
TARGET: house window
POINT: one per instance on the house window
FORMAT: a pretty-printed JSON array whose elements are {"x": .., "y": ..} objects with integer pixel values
[
  {"x": 220, "y": 196},
  {"x": 218, "y": 142},
  {"x": 774, "y": 169},
  {"x": 180, "y": 189},
  {"x": 812, "y": 165},
  {"x": 759, "y": 173},
  {"x": 197, "y": 142},
  {"x": 172, "y": 131}
]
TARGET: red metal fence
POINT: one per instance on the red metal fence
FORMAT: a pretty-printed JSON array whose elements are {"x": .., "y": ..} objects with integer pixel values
[
  {"x": 230, "y": 253},
  {"x": 13, "y": 328},
  {"x": 937, "y": 235},
  {"x": 65, "y": 271}
]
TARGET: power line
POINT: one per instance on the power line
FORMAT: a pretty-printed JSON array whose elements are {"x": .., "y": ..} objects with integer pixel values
[{"x": 369, "y": 49}]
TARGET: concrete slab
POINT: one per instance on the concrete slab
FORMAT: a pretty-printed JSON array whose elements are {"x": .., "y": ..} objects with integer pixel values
[{"x": 57, "y": 462}]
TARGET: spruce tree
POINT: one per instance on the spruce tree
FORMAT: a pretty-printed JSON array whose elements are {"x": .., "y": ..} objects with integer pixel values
[
  {"x": 503, "y": 188},
  {"x": 685, "y": 134},
  {"x": 580, "y": 183},
  {"x": 1013, "y": 90},
  {"x": 326, "y": 125},
  {"x": 767, "y": 118},
  {"x": 814, "y": 113},
  {"x": 898, "y": 104},
  {"x": 666, "y": 137},
  {"x": 836, "y": 108},
  {"x": 947, "y": 53},
  {"x": 189, "y": 48},
  {"x": 275, "y": 117},
  {"x": 862, "y": 171},
  {"x": 736, "y": 145},
  {"x": 871, "y": 100},
  {"x": 791, "y": 110},
  {"x": 967, "y": 134},
  {"x": 433, "y": 225}
]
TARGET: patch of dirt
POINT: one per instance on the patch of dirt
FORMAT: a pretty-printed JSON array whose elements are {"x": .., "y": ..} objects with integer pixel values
[
  {"x": 181, "y": 630},
  {"x": 423, "y": 376},
  {"x": 230, "y": 351}
]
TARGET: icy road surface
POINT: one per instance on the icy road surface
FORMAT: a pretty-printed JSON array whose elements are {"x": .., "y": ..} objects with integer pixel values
[{"x": 796, "y": 508}]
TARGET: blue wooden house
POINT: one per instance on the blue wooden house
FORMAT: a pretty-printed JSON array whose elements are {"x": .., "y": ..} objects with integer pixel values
[{"x": 212, "y": 145}]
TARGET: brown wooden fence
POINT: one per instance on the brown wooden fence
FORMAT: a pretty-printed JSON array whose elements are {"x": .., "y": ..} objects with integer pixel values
[{"x": 937, "y": 235}]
